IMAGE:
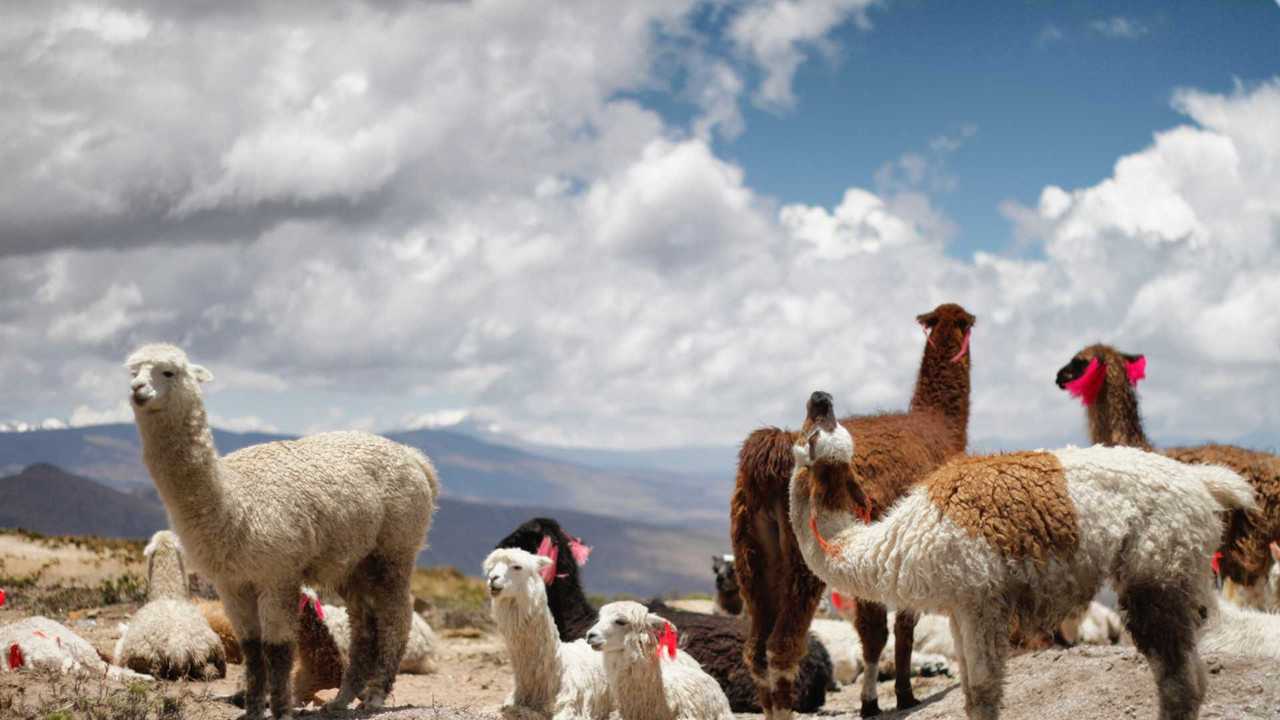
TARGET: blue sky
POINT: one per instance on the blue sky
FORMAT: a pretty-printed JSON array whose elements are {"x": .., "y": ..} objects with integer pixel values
[
  {"x": 656, "y": 222},
  {"x": 1054, "y": 98}
]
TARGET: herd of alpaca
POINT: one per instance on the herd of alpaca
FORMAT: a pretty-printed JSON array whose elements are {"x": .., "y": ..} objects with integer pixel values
[{"x": 975, "y": 554}]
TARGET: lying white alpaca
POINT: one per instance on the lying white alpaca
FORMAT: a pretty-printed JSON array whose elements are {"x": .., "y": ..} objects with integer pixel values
[
  {"x": 419, "y": 650},
  {"x": 1096, "y": 624},
  {"x": 169, "y": 636},
  {"x": 342, "y": 510},
  {"x": 1025, "y": 536},
  {"x": 648, "y": 677},
  {"x": 1262, "y": 595},
  {"x": 552, "y": 678},
  {"x": 38, "y": 643},
  {"x": 1242, "y": 631},
  {"x": 845, "y": 648}
]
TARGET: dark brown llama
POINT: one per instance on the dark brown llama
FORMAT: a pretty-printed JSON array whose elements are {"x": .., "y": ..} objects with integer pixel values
[
  {"x": 1106, "y": 382},
  {"x": 894, "y": 452}
]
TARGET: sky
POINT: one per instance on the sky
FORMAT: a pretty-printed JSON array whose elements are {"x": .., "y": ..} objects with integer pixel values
[{"x": 639, "y": 224}]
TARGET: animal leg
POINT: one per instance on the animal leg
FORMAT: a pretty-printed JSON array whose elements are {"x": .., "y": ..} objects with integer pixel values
[
  {"x": 1164, "y": 623},
  {"x": 788, "y": 643},
  {"x": 904, "y": 629},
  {"x": 392, "y": 615},
  {"x": 756, "y": 565},
  {"x": 361, "y": 657},
  {"x": 957, "y": 640},
  {"x": 241, "y": 604},
  {"x": 279, "y": 612},
  {"x": 871, "y": 620},
  {"x": 986, "y": 647}
]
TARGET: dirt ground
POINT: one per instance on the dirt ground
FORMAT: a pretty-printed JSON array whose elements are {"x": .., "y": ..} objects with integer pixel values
[{"x": 1061, "y": 684}]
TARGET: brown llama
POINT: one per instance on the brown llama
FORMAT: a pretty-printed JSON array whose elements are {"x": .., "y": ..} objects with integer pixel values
[
  {"x": 895, "y": 450},
  {"x": 1106, "y": 382}
]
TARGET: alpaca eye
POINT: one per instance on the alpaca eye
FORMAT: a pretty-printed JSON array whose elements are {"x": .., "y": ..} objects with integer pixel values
[
  {"x": 620, "y": 622},
  {"x": 516, "y": 567},
  {"x": 168, "y": 373}
]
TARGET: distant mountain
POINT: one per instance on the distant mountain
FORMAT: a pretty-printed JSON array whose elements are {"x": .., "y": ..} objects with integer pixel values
[
  {"x": 629, "y": 557},
  {"x": 50, "y": 500},
  {"x": 470, "y": 469}
]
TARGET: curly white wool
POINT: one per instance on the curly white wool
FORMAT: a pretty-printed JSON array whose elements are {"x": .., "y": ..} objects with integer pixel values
[{"x": 43, "y": 644}]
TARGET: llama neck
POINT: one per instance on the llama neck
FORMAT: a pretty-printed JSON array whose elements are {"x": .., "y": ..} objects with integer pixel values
[
  {"x": 635, "y": 676},
  {"x": 530, "y": 633},
  {"x": 942, "y": 386},
  {"x": 179, "y": 453},
  {"x": 1114, "y": 418},
  {"x": 573, "y": 613},
  {"x": 850, "y": 562},
  {"x": 166, "y": 576}
]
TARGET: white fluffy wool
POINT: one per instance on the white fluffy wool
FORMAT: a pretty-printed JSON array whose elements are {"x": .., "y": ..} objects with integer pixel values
[
  {"x": 1243, "y": 632},
  {"x": 845, "y": 648},
  {"x": 1144, "y": 520},
  {"x": 169, "y": 638},
  {"x": 645, "y": 684},
  {"x": 47, "y": 645},
  {"x": 1096, "y": 624},
  {"x": 419, "y": 652},
  {"x": 565, "y": 681}
]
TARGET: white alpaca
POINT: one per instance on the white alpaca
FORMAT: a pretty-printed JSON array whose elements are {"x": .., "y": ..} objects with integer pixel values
[
  {"x": 420, "y": 649},
  {"x": 38, "y": 643},
  {"x": 342, "y": 510},
  {"x": 845, "y": 648},
  {"x": 645, "y": 681},
  {"x": 552, "y": 678},
  {"x": 1262, "y": 595},
  {"x": 1025, "y": 536},
  {"x": 1242, "y": 631},
  {"x": 169, "y": 636},
  {"x": 1095, "y": 624}
]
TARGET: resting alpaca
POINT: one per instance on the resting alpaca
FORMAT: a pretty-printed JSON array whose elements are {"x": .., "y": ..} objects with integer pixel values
[
  {"x": 715, "y": 641},
  {"x": 561, "y": 680},
  {"x": 780, "y": 593},
  {"x": 1025, "y": 537},
  {"x": 169, "y": 637},
  {"x": 728, "y": 595},
  {"x": 649, "y": 678},
  {"x": 1106, "y": 382},
  {"x": 342, "y": 510}
]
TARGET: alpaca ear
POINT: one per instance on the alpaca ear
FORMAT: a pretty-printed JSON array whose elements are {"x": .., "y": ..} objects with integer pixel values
[
  {"x": 928, "y": 319},
  {"x": 200, "y": 373},
  {"x": 542, "y": 561},
  {"x": 1275, "y": 551},
  {"x": 1135, "y": 367},
  {"x": 657, "y": 623}
]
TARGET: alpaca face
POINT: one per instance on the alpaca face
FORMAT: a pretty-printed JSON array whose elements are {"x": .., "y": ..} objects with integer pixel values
[
  {"x": 948, "y": 327},
  {"x": 822, "y": 439},
  {"x": 513, "y": 573},
  {"x": 160, "y": 373},
  {"x": 726, "y": 576},
  {"x": 625, "y": 625},
  {"x": 1104, "y": 359}
]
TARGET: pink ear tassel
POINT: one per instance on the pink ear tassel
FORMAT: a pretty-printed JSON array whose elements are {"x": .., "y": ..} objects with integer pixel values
[
  {"x": 580, "y": 551},
  {"x": 964, "y": 346},
  {"x": 1136, "y": 370},
  {"x": 1087, "y": 386},
  {"x": 547, "y": 549}
]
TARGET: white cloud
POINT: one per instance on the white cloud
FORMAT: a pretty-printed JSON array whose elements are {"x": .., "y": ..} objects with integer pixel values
[
  {"x": 84, "y": 415},
  {"x": 1120, "y": 27}
]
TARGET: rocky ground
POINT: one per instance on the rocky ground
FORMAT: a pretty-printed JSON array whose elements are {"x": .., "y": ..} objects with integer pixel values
[{"x": 1069, "y": 684}]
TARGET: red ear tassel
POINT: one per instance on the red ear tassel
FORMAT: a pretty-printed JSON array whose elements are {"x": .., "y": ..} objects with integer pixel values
[
  {"x": 667, "y": 641},
  {"x": 2, "y": 597},
  {"x": 1136, "y": 370},
  {"x": 1215, "y": 563},
  {"x": 15, "y": 657},
  {"x": 837, "y": 601},
  {"x": 547, "y": 549}
]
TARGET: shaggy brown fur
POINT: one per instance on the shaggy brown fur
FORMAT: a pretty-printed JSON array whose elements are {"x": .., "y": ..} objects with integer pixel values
[
  {"x": 319, "y": 665},
  {"x": 972, "y": 491},
  {"x": 216, "y": 616},
  {"x": 894, "y": 451},
  {"x": 1114, "y": 419}
]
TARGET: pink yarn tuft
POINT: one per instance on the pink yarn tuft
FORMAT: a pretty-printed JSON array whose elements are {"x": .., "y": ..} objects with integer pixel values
[
  {"x": 580, "y": 551},
  {"x": 547, "y": 549},
  {"x": 1136, "y": 370},
  {"x": 667, "y": 641},
  {"x": 1087, "y": 386},
  {"x": 964, "y": 346}
]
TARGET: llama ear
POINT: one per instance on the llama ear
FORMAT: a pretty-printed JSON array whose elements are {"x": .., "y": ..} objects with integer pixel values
[
  {"x": 1135, "y": 367},
  {"x": 928, "y": 319},
  {"x": 200, "y": 373},
  {"x": 542, "y": 561}
]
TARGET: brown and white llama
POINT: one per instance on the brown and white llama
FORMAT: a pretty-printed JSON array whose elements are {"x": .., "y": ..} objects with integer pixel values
[
  {"x": 1106, "y": 382},
  {"x": 896, "y": 450}
]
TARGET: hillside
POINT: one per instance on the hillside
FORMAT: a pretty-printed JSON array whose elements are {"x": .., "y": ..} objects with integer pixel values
[{"x": 630, "y": 557}]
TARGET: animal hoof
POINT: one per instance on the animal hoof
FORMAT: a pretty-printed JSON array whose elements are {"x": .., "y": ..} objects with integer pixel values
[
  {"x": 870, "y": 708},
  {"x": 907, "y": 701},
  {"x": 337, "y": 705},
  {"x": 374, "y": 700}
]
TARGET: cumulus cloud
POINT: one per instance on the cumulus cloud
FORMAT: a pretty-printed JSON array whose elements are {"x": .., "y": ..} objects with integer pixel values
[
  {"x": 1120, "y": 27},
  {"x": 392, "y": 215}
]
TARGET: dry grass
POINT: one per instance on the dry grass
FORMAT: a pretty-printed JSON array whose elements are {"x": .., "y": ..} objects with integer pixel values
[
  {"x": 36, "y": 695},
  {"x": 452, "y": 600},
  {"x": 121, "y": 549}
]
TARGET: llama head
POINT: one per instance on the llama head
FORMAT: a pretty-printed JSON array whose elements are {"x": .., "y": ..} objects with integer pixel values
[
  {"x": 163, "y": 380},
  {"x": 629, "y": 627},
  {"x": 1098, "y": 366},
  {"x": 567, "y": 551},
  {"x": 514, "y": 574},
  {"x": 947, "y": 328},
  {"x": 726, "y": 575},
  {"x": 824, "y": 452}
]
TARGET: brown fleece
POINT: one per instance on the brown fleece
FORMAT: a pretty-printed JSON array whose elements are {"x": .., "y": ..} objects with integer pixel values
[
  {"x": 319, "y": 665},
  {"x": 892, "y": 452},
  {"x": 1017, "y": 502},
  {"x": 1114, "y": 420},
  {"x": 216, "y": 616}
]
